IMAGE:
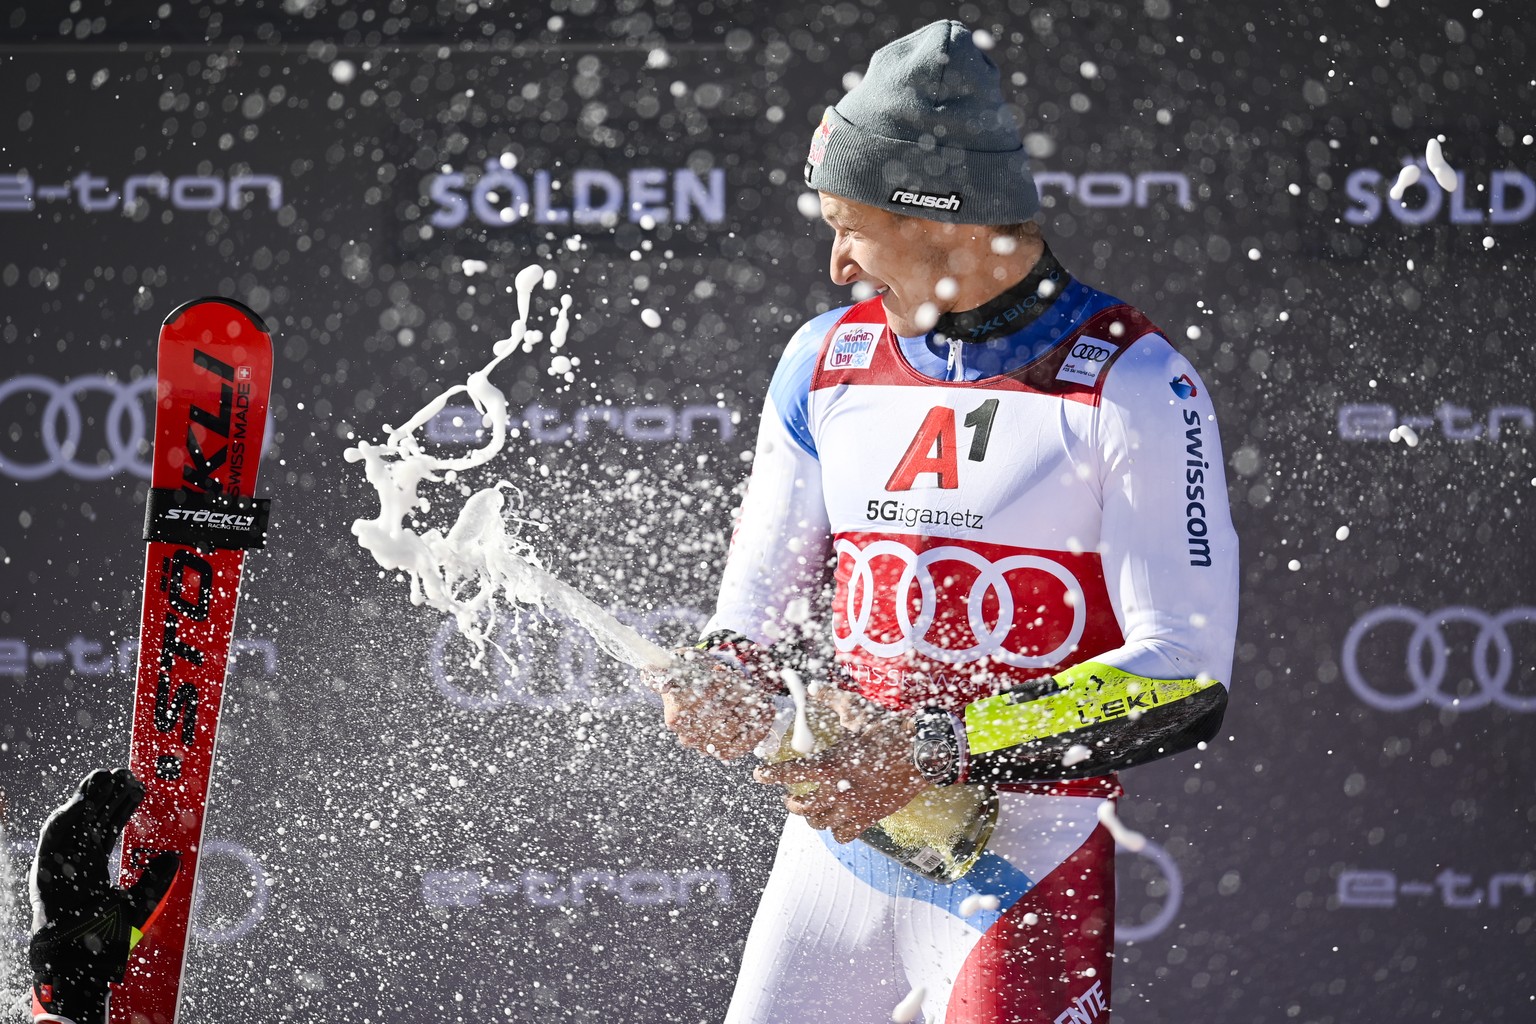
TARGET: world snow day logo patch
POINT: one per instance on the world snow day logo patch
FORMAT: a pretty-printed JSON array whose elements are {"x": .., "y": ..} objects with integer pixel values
[{"x": 853, "y": 348}]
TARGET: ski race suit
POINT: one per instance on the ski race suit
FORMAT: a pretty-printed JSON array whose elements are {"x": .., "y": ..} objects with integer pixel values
[{"x": 996, "y": 510}]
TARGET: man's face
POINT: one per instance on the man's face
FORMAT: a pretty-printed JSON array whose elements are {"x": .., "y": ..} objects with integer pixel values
[{"x": 901, "y": 258}]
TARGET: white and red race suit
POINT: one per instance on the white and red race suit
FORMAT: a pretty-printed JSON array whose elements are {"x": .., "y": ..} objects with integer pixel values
[{"x": 988, "y": 512}]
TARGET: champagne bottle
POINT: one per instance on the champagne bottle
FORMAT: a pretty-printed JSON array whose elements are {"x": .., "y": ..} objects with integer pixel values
[{"x": 939, "y": 835}]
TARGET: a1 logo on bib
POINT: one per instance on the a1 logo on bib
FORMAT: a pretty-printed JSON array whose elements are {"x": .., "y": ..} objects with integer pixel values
[
  {"x": 1086, "y": 361},
  {"x": 853, "y": 347}
]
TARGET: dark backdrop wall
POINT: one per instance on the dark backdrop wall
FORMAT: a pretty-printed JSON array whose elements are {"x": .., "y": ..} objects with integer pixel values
[{"x": 396, "y": 836}]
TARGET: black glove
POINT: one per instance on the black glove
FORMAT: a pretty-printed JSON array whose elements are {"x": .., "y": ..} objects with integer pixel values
[{"x": 82, "y": 925}]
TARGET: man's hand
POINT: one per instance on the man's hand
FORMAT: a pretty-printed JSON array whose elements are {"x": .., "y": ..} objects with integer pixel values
[
  {"x": 866, "y": 777},
  {"x": 82, "y": 926},
  {"x": 714, "y": 709},
  {"x": 855, "y": 713}
]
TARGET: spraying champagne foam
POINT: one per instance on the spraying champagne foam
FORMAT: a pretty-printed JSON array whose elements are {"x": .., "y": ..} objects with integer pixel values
[{"x": 467, "y": 572}]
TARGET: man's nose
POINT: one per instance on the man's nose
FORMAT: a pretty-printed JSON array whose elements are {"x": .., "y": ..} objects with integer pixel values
[{"x": 844, "y": 269}]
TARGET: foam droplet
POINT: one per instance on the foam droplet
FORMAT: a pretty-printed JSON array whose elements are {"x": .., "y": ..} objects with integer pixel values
[
  {"x": 465, "y": 572},
  {"x": 977, "y": 902},
  {"x": 1124, "y": 836},
  {"x": 1435, "y": 158},
  {"x": 803, "y": 740},
  {"x": 1409, "y": 175},
  {"x": 907, "y": 1010}
]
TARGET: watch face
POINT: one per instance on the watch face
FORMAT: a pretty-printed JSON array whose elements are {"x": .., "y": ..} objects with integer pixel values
[{"x": 934, "y": 757}]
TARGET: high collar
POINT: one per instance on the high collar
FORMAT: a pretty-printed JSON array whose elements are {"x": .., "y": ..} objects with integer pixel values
[{"x": 1010, "y": 311}]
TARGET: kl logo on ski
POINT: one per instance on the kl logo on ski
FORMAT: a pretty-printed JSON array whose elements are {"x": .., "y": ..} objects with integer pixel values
[{"x": 187, "y": 578}]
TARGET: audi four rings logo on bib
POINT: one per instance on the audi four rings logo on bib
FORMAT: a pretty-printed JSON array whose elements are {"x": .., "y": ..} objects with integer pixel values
[
  {"x": 1003, "y": 615},
  {"x": 122, "y": 434},
  {"x": 1492, "y": 660},
  {"x": 1086, "y": 361}
]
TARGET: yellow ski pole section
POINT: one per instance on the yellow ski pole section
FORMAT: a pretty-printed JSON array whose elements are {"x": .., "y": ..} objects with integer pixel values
[{"x": 1088, "y": 694}]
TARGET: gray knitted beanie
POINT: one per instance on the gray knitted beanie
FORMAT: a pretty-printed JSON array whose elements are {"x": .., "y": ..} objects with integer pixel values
[{"x": 927, "y": 133}]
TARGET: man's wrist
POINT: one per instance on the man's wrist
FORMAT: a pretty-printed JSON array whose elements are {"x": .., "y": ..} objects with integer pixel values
[
  {"x": 89, "y": 1009},
  {"x": 939, "y": 748},
  {"x": 69, "y": 977},
  {"x": 758, "y": 664}
]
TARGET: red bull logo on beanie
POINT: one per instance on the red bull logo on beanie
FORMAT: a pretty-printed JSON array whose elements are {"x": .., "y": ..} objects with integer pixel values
[
  {"x": 819, "y": 139},
  {"x": 854, "y": 347}
]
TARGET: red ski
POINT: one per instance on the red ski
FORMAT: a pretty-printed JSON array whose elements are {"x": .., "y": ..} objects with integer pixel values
[{"x": 215, "y": 372}]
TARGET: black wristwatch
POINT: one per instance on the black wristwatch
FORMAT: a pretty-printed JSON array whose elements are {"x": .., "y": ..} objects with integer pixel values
[{"x": 939, "y": 749}]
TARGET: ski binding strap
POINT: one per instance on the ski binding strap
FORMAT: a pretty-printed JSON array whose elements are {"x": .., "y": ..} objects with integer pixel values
[{"x": 203, "y": 520}]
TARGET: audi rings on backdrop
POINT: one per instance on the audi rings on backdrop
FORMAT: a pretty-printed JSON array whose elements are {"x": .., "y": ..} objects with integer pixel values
[
  {"x": 126, "y": 427},
  {"x": 126, "y": 430},
  {"x": 1493, "y": 659},
  {"x": 259, "y": 890},
  {"x": 991, "y": 578},
  {"x": 1172, "y": 901}
]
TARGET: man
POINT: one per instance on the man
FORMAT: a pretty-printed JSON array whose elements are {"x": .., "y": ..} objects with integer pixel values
[{"x": 1005, "y": 490}]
